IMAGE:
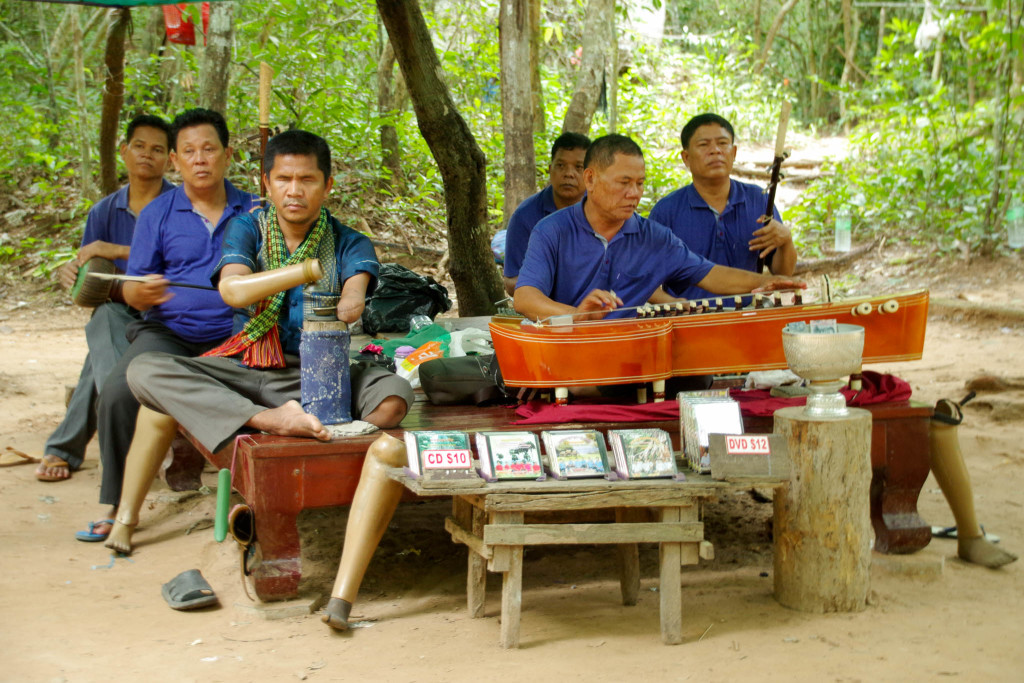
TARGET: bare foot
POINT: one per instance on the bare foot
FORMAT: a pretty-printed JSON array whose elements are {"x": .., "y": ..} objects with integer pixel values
[
  {"x": 289, "y": 420},
  {"x": 120, "y": 538},
  {"x": 52, "y": 468},
  {"x": 980, "y": 551}
]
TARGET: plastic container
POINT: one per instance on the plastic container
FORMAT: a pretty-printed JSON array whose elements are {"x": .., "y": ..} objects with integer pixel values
[
  {"x": 419, "y": 322},
  {"x": 844, "y": 226},
  {"x": 1015, "y": 224}
]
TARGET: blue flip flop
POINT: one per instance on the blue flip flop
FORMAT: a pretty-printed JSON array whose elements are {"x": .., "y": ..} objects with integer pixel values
[{"x": 90, "y": 535}]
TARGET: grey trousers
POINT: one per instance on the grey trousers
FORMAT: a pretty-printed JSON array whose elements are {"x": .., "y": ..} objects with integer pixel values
[
  {"x": 104, "y": 335},
  {"x": 213, "y": 398}
]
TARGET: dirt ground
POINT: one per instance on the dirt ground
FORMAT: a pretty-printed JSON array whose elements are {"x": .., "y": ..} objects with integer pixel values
[{"x": 72, "y": 612}]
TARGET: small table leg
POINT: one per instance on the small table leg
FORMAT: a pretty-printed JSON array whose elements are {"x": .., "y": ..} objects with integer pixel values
[
  {"x": 670, "y": 557},
  {"x": 512, "y": 599},
  {"x": 476, "y": 576},
  {"x": 629, "y": 559}
]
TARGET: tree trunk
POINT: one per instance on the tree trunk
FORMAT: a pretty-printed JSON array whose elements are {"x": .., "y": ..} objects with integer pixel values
[
  {"x": 113, "y": 97},
  {"x": 536, "y": 89},
  {"x": 392, "y": 180},
  {"x": 516, "y": 104},
  {"x": 213, "y": 93},
  {"x": 773, "y": 30},
  {"x": 613, "y": 76},
  {"x": 85, "y": 167},
  {"x": 459, "y": 159},
  {"x": 756, "y": 32},
  {"x": 881, "y": 32},
  {"x": 594, "y": 65},
  {"x": 848, "y": 55}
]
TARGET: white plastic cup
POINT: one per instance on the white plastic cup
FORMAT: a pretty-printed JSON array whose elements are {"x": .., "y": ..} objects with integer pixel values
[
  {"x": 1015, "y": 225},
  {"x": 844, "y": 226}
]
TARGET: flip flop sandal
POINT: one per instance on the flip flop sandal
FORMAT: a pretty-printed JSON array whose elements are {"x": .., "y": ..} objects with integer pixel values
[
  {"x": 188, "y": 590},
  {"x": 59, "y": 464},
  {"x": 950, "y": 532},
  {"x": 91, "y": 536},
  {"x": 26, "y": 459}
]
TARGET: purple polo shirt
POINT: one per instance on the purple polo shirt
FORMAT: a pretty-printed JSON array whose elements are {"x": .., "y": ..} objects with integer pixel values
[
  {"x": 566, "y": 259},
  {"x": 521, "y": 224},
  {"x": 722, "y": 239},
  {"x": 172, "y": 239},
  {"x": 111, "y": 220}
]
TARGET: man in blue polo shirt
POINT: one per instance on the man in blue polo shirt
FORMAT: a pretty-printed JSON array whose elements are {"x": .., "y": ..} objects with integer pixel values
[
  {"x": 177, "y": 240},
  {"x": 108, "y": 233},
  {"x": 600, "y": 255},
  {"x": 564, "y": 189},
  {"x": 717, "y": 217}
]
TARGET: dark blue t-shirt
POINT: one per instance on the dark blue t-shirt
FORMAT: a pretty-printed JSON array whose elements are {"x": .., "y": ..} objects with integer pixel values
[
  {"x": 111, "y": 220},
  {"x": 566, "y": 260},
  {"x": 722, "y": 239},
  {"x": 521, "y": 224},
  {"x": 173, "y": 240},
  {"x": 343, "y": 252}
]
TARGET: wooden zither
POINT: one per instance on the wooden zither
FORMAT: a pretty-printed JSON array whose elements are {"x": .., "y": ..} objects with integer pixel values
[
  {"x": 93, "y": 291},
  {"x": 694, "y": 338}
]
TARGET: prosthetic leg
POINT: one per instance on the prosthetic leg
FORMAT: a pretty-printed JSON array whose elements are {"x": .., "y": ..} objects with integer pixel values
[
  {"x": 948, "y": 466},
  {"x": 373, "y": 505},
  {"x": 154, "y": 433}
]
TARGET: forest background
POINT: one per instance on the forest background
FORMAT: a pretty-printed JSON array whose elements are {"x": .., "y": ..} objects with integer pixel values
[{"x": 929, "y": 95}]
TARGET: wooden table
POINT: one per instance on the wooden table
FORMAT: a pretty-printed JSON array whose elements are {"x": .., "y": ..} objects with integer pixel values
[{"x": 491, "y": 522}]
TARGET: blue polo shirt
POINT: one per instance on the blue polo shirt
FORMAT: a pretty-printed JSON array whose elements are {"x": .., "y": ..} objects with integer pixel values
[
  {"x": 521, "y": 224},
  {"x": 111, "y": 220},
  {"x": 566, "y": 259},
  {"x": 723, "y": 239},
  {"x": 172, "y": 239},
  {"x": 342, "y": 253}
]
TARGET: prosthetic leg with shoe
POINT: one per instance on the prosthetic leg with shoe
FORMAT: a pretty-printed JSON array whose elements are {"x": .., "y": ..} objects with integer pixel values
[{"x": 950, "y": 472}]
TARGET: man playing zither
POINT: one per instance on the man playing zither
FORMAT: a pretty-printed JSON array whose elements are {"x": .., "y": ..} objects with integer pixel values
[
  {"x": 253, "y": 379},
  {"x": 718, "y": 217},
  {"x": 108, "y": 233},
  {"x": 600, "y": 255}
]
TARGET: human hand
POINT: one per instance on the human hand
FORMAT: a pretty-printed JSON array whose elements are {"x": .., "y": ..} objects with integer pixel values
[
  {"x": 597, "y": 304},
  {"x": 144, "y": 294},
  {"x": 67, "y": 274},
  {"x": 772, "y": 283},
  {"x": 769, "y": 237}
]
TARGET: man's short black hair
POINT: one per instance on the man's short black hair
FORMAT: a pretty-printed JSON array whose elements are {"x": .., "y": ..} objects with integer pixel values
[
  {"x": 299, "y": 142},
  {"x": 569, "y": 142},
  {"x": 199, "y": 117},
  {"x": 147, "y": 121},
  {"x": 602, "y": 151},
  {"x": 702, "y": 120}
]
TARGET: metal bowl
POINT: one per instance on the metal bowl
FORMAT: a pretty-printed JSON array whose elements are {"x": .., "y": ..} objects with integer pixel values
[{"x": 824, "y": 357}]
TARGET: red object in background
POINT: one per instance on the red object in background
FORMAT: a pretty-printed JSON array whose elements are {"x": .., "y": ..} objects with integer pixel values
[{"x": 180, "y": 29}]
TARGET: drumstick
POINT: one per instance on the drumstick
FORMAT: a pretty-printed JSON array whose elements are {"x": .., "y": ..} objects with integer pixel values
[{"x": 144, "y": 278}]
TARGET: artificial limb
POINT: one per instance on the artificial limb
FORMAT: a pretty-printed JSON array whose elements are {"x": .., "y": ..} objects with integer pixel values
[
  {"x": 947, "y": 463},
  {"x": 373, "y": 505},
  {"x": 154, "y": 433}
]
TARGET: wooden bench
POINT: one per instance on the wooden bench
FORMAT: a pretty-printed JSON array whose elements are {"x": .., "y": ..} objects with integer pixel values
[{"x": 279, "y": 477}]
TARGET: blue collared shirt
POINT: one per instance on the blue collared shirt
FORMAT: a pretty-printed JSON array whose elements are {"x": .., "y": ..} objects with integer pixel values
[
  {"x": 723, "y": 239},
  {"x": 566, "y": 259},
  {"x": 111, "y": 220},
  {"x": 521, "y": 224},
  {"x": 343, "y": 253},
  {"x": 173, "y": 240}
]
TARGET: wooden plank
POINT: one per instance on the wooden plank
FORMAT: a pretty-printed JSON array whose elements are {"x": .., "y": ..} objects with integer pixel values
[
  {"x": 590, "y": 500},
  {"x": 629, "y": 557},
  {"x": 670, "y": 588},
  {"x": 501, "y": 556},
  {"x": 464, "y": 536},
  {"x": 476, "y": 576},
  {"x": 570, "y": 534},
  {"x": 512, "y": 599}
]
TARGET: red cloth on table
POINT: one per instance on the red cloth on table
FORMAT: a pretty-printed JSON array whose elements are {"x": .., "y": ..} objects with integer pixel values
[{"x": 876, "y": 388}]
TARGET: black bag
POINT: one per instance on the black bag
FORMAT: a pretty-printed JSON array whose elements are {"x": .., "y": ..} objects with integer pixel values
[
  {"x": 466, "y": 380},
  {"x": 401, "y": 294}
]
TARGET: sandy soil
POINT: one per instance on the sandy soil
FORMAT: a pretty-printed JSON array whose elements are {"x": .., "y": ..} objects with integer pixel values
[{"x": 72, "y": 612}]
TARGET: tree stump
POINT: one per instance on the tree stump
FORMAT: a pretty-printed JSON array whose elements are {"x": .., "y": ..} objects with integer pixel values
[{"x": 823, "y": 532}]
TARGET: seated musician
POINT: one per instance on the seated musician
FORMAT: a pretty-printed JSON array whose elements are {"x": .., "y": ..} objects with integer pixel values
[
  {"x": 108, "y": 234},
  {"x": 718, "y": 217},
  {"x": 565, "y": 188},
  {"x": 253, "y": 379},
  {"x": 600, "y": 255}
]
